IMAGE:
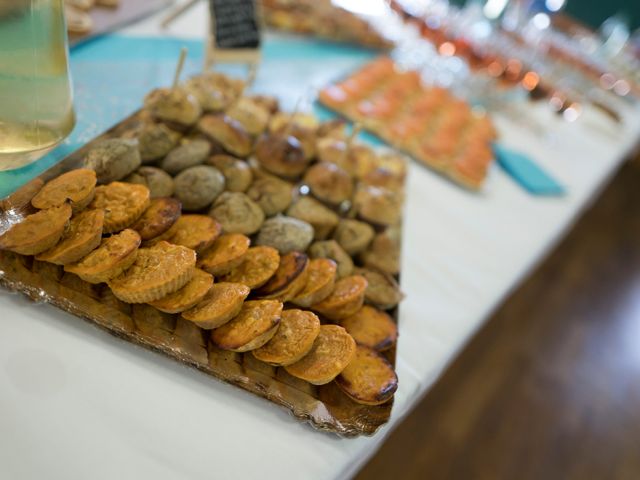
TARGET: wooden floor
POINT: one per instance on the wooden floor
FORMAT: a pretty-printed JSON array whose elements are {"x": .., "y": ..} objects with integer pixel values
[{"x": 550, "y": 388}]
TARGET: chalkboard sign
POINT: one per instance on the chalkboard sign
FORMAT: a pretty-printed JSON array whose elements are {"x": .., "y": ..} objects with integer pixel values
[{"x": 234, "y": 25}]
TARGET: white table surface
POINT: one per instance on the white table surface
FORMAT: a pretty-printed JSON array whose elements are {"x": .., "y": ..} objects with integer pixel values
[{"x": 76, "y": 403}]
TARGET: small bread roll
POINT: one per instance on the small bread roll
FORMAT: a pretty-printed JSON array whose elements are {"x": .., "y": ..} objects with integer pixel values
[
  {"x": 286, "y": 234},
  {"x": 159, "y": 182},
  {"x": 197, "y": 187},
  {"x": 187, "y": 155},
  {"x": 237, "y": 213},
  {"x": 237, "y": 173},
  {"x": 113, "y": 159},
  {"x": 322, "y": 219},
  {"x": 331, "y": 249}
]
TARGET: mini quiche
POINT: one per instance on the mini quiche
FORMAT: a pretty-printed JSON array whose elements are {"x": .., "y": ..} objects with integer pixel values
[
  {"x": 161, "y": 214},
  {"x": 369, "y": 378},
  {"x": 226, "y": 253},
  {"x": 114, "y": 255},
  {"x": 197, "y": 232},
  {"x": 321, "y": 277},
  {"x": 37, "y": 232},
  {"x": 188, "y": 296},
  {"x": 295, "y": 336},
  {"x": 257, "y": 267},
  {"x": 289, "y": 279},
  {"x": 76, "y": 187},
  {"x": 331, "y": 352},
  {"x": 123, "y": 204},
  {"x": 254, "y": 326},
  {"x": 345, "y": 300},
  {"x": 222, "y": 302},
  {"x": 81, "y": 236},
  {"x": 155, "y": 273},
  {"x": 372, "y": 328}
]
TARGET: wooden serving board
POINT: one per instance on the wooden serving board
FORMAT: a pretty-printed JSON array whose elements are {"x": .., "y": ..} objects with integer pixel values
[{"x": 324, "y": 407}]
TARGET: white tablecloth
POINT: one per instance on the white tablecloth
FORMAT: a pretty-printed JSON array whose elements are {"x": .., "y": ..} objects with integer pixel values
[{"x": 76, "y": 403}]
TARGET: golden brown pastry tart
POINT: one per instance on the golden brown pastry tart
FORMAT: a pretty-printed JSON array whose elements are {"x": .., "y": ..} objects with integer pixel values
[{"x": 156, "y": 272}]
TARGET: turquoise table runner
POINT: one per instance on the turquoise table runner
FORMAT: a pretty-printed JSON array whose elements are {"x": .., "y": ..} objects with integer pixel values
[{"x": 112, "y": 74}]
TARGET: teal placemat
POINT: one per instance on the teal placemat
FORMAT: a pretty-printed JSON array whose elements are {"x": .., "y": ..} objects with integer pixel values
[{"x": 112, "y": 74}]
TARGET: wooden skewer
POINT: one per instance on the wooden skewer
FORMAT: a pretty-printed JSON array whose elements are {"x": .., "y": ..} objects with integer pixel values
[
  {"x": 291, "y": 122},
  {"x": 176, "y": 12},
  {"x": 355, "y": 131},
  {"x": 176, "y": 76}
]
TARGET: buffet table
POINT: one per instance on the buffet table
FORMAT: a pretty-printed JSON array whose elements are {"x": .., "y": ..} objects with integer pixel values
[{"x": 78, "y": 403}]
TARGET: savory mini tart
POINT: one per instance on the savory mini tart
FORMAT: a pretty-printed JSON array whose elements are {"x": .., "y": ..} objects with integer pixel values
[
  {"x": 155, "y": 273},
  {"x": 76, "y": 187},
  {"x": 369, "y": 378},
  {"x": 196, "y": 187},
  {"x": 289, "y": 279},
  {"x": 382, "y": 291},
  {"x": 321, "y": 277},
  {"x": 378, "y": 205},
  {"x": 237, "y": 213},
  {"x": 345, "y": 300},
  {"x": 331, "y": 249},
  {"x": 322, "y": 219},
  {"x": 187, "y": 155},
  {"x": 237, "y": 173},
  {"x": 331, "y": 352},
  {"x": 188, "y": 296},
  {"x": 159, "y": 182},
  {"x": 281, "y": 155},
  {"x": 114, "y": 255},
  {"x": 329, "y": 182},
  {"x": 222, "y": 302},
  {"x": 113, "y": 159},
  {"x": 173, "y": 105},
  {"x": 197, "y": 232},
  {"x": 37, "y": 232},
  {"x": 227, "y": 132},
  {"x": 253, "y": 116},
  {"x": 257, "y": 267},
  {"x": 81, "y": 236},
  {"x": 159, "y": 216},
  {"x": 123, "y": 204},
  {"x": 226, "y": 253},
  {"x": 353, "y": 235},
  {"x": 254, "y": 326},
  {"x": 293, "y": 340},
  {"x": 273, "y": 194},
  {"x": 372, "y": 328}
]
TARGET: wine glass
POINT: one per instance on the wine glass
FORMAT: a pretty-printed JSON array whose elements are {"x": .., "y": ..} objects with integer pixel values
[{"x": 36, "y": 106}]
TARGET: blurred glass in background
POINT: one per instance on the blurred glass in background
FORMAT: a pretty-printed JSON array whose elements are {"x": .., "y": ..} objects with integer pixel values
[{"x": 36, "y": 106}]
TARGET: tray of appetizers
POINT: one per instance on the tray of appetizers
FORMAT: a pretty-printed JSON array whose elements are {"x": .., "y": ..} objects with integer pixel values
[
  {"x": 257, "y": 246},
  {"x": 429, "y": 123}
]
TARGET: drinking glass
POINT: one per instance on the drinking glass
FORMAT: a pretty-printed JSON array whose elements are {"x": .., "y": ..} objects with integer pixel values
[{"x": 36, "y": 105}]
